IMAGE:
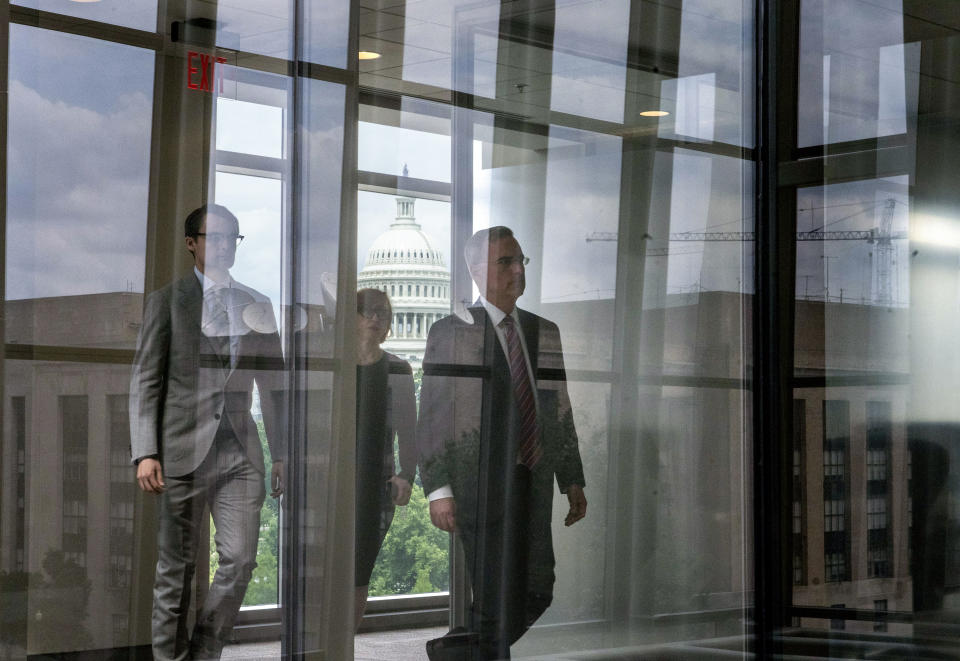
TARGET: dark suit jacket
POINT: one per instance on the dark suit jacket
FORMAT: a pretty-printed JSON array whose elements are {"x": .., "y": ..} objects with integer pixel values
[
  {"x": 467, "y": 427},
  {"x": 181, "y": 389}
]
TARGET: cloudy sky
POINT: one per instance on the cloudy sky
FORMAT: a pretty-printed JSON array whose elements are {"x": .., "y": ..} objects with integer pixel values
[
  {"x": 79, "y": 144},
  {"x": 80, "y": 117}
]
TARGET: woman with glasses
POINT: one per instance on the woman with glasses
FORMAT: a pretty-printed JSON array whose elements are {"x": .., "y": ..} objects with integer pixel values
[{"x": 385, "y": 410}]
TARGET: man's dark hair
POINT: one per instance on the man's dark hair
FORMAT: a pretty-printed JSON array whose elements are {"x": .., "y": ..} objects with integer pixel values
[
  {"x": 194, "y": 221},
  {"x": 474, "y": 253}
]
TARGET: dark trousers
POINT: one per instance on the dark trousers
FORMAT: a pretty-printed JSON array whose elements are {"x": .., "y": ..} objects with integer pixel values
[
  {"x": 233, "y": 490},
  {"x": 506, "y": 558}
]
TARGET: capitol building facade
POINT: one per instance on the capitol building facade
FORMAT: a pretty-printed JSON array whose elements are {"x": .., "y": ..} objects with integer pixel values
[{"x": 403, "y": 263}]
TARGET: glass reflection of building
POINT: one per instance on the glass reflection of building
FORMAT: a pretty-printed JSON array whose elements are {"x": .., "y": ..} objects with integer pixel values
[{"x": 742, "y": 216}]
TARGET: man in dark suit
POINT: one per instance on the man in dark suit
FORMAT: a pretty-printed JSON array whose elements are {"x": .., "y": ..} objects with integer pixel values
[
  {"x": 495, "y": 428},
  {"x": 205, "y": 340}
]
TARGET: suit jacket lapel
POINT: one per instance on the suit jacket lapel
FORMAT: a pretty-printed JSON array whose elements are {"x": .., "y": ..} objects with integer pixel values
[
  {"x": 483, "y": 321},
  {"x": 191, "y": 300}
]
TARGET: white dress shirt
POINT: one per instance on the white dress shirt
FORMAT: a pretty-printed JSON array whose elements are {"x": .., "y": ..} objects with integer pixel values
[{"x": 213, "y": 323}]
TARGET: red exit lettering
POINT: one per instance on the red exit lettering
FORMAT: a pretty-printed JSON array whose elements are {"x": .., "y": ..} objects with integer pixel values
[{"x": 202, "y": 72}]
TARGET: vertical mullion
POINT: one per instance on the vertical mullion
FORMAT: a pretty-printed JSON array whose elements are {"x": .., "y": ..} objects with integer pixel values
[
  {"x": 339, "y": 629},
  {"x": 462, "y": 120},
  {"x": 291, "y": 546},
  {"x": 332, "y": 636},
  {"x": 21, "y": 637},
  {"x": 772, "y": 336}
]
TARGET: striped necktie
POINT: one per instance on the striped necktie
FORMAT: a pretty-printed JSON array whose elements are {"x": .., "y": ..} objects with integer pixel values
[{"x": 530, "y": 449}]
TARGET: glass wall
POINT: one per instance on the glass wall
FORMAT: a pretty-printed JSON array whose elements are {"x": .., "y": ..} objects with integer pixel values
[
  {"x": 873, "y": 533},
  {"x": 206, "y": 427}
]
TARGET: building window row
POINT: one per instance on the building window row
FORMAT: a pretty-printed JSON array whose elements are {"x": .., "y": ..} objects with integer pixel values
[
  {"x": 836, "y": 490},
  {"x": 799, "y": 523},
  {"x": 122, "y": 492},
  {"x": 411, "y": 290},
  {"x": 74, "y": 423},
  {"x": 18, "y": 404},
  {"x": 879, "y": 537},
  {"x": 406, "y": 255}
]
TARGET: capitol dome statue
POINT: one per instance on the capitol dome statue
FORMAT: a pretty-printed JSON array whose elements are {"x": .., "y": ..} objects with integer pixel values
[{"x": 403, "y": 263}]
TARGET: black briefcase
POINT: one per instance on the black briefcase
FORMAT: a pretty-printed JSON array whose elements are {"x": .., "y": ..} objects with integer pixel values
[{"x": 457, "y": 645}]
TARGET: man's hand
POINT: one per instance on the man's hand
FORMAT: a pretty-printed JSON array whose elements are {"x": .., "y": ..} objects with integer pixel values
[
  {"x": 578, "y": 504},
  {"x": 401, "y": 490},
  {"x": 443, "y": 513},
  {"x": 150, "y": 475},
  {"x": 276, "y": 479}
]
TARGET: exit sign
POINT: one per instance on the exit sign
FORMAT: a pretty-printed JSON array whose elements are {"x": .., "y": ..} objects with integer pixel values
[{"x": 204, "y": 72}]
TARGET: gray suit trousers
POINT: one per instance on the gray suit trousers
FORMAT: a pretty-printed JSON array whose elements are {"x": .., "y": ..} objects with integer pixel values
[{"x": 234, "y": 491}]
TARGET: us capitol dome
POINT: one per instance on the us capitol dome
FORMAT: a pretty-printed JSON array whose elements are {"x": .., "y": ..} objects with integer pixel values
[{"x": 403, "y": 263}]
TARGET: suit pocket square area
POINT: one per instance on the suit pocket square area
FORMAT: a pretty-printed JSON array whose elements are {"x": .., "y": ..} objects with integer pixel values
[{"x": 457, "y": 645}]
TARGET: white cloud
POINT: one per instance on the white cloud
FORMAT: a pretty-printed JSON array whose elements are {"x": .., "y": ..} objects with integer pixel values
[{"x": 77, "y": 194}]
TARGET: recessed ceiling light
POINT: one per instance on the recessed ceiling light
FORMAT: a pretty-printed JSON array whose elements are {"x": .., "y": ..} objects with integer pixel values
[
  {"x": 368, "y": 55},
  {"x": 654, "y": 113}
]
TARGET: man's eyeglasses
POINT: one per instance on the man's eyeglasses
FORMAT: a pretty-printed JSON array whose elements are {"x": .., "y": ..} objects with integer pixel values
[
  {"x": 382, "y": 314},
  {"x": 507, "y": 262},
  {"x": 220, "y": 237}
]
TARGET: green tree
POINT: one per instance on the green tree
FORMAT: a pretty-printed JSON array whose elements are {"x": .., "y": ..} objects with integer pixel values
[{"x": 414, "y": 554}]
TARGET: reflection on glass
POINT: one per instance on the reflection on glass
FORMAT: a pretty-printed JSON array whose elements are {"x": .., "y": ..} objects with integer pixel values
[
  {"x": 250, "y": 128},
  {"x": 75, "y": 131},
  {"x": 492, "y": 441},
  {"x": 139, "y": 14},
  {"x": 857, "y": 77},
  {"x": 327, "y": 30},
  {"x": 854, "y": 288},
  {"x": 399, "y": 246},
  {"x": 77, "y": 180},
  {"x": 577, "y": 266},
  {"x": 205, "y": 339},
  {"x": 386, "y": 450},
  {"x": 395, "y": 150},
  {"x": 710, "y": 99},
  {"x": 252, "y": 27},
  {"x": 431, "y": 31},
  {"x": 852, "y": 242},
  {"x": 590, "y": 48},
  {"x": 257, "y": 202},
  {"x": 313, "y": 530}
]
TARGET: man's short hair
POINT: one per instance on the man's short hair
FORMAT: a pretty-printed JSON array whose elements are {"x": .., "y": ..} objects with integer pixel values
[
  {"x": 475, "y": 251},
  {"x": 194, "y": 221}
]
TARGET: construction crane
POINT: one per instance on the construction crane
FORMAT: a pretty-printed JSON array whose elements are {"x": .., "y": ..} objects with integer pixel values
[
  {"x": 885, "y": 254},
  {"x": 882, "y": 236},
  {"x": 875, "y": 235}
]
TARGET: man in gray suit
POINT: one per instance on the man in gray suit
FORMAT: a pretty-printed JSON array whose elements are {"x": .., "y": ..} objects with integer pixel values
[
  {"x": 205, "y": 340},
  {"x": 495, "y": 429}
]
